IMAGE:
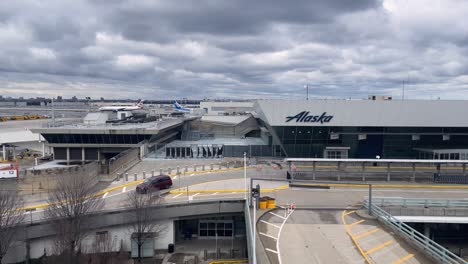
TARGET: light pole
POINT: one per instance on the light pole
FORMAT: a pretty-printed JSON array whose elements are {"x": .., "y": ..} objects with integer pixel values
[
  {"x": 254, "y": 228},
  {"x": 245, "y": 176},
  {"x": 307, "y": 91}
]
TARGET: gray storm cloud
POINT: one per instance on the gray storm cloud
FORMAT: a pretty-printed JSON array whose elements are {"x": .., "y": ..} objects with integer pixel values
[{"x": 234, "y": 49}]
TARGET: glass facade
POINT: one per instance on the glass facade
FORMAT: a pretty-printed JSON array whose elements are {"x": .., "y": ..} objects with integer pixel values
[{"x": 367, "y": 142}]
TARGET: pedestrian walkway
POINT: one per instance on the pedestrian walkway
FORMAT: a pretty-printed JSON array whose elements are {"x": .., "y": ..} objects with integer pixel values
[{"x": 376, "y": 244}]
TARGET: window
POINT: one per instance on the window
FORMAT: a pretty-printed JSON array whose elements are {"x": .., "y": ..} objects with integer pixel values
[{"x": 213, "y": 228}]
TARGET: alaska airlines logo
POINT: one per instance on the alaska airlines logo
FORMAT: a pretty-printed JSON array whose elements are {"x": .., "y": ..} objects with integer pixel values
[{"x": 306, "y": 118}]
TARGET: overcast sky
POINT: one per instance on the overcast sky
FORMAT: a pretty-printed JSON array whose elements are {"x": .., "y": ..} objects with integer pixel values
[{"x": 234, "y": 49}]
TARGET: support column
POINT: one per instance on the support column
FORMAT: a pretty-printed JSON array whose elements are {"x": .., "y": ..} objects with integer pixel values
[
  {"x": 464, "y": 169},
  {"x": 363, "y": 175},
  {"x": 413, "y": 178},
  {"x": 83, "y": 158},
  {"x": 43, "y": 149},
  {"x": 338, "y": 176},
  {"x": 427, "y": 230},
  {"x": 4, "y": 152},
  {"x": 98, "y": 154},
  {"x": 68, "y": 154},
  {"x": 313, "y": 170},
  {"x": 388, "y": 171}
]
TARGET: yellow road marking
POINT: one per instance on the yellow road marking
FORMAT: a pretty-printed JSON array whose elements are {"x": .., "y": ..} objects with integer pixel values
[
  {"x": 356, "y": 223},
  {"x": 229, "y": 261},
  {"x": 381, "y": 167},
  {"x": 378, "y": 247},
  {"x": 353, "y": 239},
  {"x": 403, "y": 259},
  {"x": 102, "y": 192},
  {"x": 389, "y": 186},
  {"x": 184, "y": 190},
  {"x": 367, "y": 233},
  {"x": 350, "y": 212}
]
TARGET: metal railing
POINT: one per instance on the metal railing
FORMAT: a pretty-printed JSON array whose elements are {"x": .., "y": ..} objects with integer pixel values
[
  {"x": 423, "y": 202},
  {"x": 429, "y": 246},
  {"x": 250, "y": 234}
]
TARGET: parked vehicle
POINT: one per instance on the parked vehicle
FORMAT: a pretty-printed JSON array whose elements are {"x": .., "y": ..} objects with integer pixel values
[{"x": 154, "y": 183}]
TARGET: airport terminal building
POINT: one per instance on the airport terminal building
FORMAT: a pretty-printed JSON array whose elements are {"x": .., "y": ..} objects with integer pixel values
[
  {"x": 391, "y": 129},
  {"x": 410, "y": 129}
]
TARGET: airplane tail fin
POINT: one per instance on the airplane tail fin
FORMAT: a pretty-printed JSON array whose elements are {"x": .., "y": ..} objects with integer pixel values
[
  {"x": 140, "y": 103},
  {"x": 176, "y": 105}
]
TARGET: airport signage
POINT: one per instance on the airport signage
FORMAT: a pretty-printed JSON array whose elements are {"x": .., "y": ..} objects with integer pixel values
[
  {"x": 8, "y": 173},
  {"x": 306, "y": 117}
]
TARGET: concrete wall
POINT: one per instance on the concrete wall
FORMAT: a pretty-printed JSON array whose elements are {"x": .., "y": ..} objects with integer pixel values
[
  {"x": 118, "y": 235},
  {"x": 117, "y": 223},
  {"x": 124, "y": 160},
  {"x": 45, "y": 179}
]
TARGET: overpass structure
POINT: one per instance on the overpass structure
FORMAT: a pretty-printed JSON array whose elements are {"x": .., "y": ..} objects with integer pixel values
[
  {"x": 37, "y": 236},
  {"x": 411, "y": 170},
  {"x": 379, "y": 208}
]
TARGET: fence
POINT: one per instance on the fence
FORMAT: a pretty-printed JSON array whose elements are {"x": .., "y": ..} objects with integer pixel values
[{"x": 429, "y": 246}]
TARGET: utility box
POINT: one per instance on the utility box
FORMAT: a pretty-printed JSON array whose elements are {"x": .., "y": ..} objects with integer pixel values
[{"x": 147, "y": 249}]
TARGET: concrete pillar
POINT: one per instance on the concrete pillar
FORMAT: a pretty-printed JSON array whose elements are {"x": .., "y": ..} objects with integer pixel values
[
  {"x": 195, "y": 167},
  {"x": 314, "y": 163},
  {"x": 152, "y": 173},
  {"x": 169, "y": 170},
  {"x": 98, "y": 155},
  {"x": 388, "y": 171},
  {"x": 83, "y": 158},
  {"x": 178, "y": 170},
  {"x": 413, "y": 177},
  {"x": 211, "y": 167},
  {"x": 4, "y": 152},
  {"x": 186, "y": 169},
  {"x": 464, "y": 169},
  {"x": 135, "y": 177},
  {"x": 126, "y": 176},
  {"x": 203, "y": 167},
  {"x": 68, "y": 154},
  {"x": 363, "y": 175},
  {"x": 43, "y": 149},
  {"x": 338, "y": 171},
  {"x": 160, "y": 171},
  {"x": 427, "y": 230},
  {"x": 144, "y": 175}
]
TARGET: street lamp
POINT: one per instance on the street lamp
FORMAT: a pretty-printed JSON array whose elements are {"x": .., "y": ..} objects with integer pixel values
[{"x": 307, "y": 91}]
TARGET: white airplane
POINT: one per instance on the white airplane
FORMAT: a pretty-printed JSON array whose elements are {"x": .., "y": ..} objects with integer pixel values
[
  {"x": 180, "y": 108},
  {"x": 115, "y": 108}
]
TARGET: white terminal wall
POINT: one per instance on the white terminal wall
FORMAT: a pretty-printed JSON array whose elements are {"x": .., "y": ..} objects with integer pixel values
[{"x": 353, "y": 113}]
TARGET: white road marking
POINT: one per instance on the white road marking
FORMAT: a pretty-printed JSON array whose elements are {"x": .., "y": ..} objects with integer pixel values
[
  {"x": 176, "y": 196},
  {"x": 263, "y": 221},
  {"x": 279, "y": 235},
  {"x": 191, "y": 174},
  {"x": 175, "y": 177},
  {"x": 233, "y": 192},
  {"x": 195, "y": 195},
  {"x": 215, "y": 193},
  {"x": 263, "y": 234},
  {"x": 271, "y": 250},
  {"x": 124, "y": 189},
  {"x": 105, "y": 195},
  {"x": 282, "y": 217}
]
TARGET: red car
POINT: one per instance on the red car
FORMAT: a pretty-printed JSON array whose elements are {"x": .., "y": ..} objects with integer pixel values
[{"x": 154, "y": 183}]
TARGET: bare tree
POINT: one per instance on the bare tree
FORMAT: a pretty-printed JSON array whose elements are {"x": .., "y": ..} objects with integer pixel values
[
  {"x": 69, "y": 204},
  {"x": 141, "y": 212},
  {"x": 10, "y": 219}
]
